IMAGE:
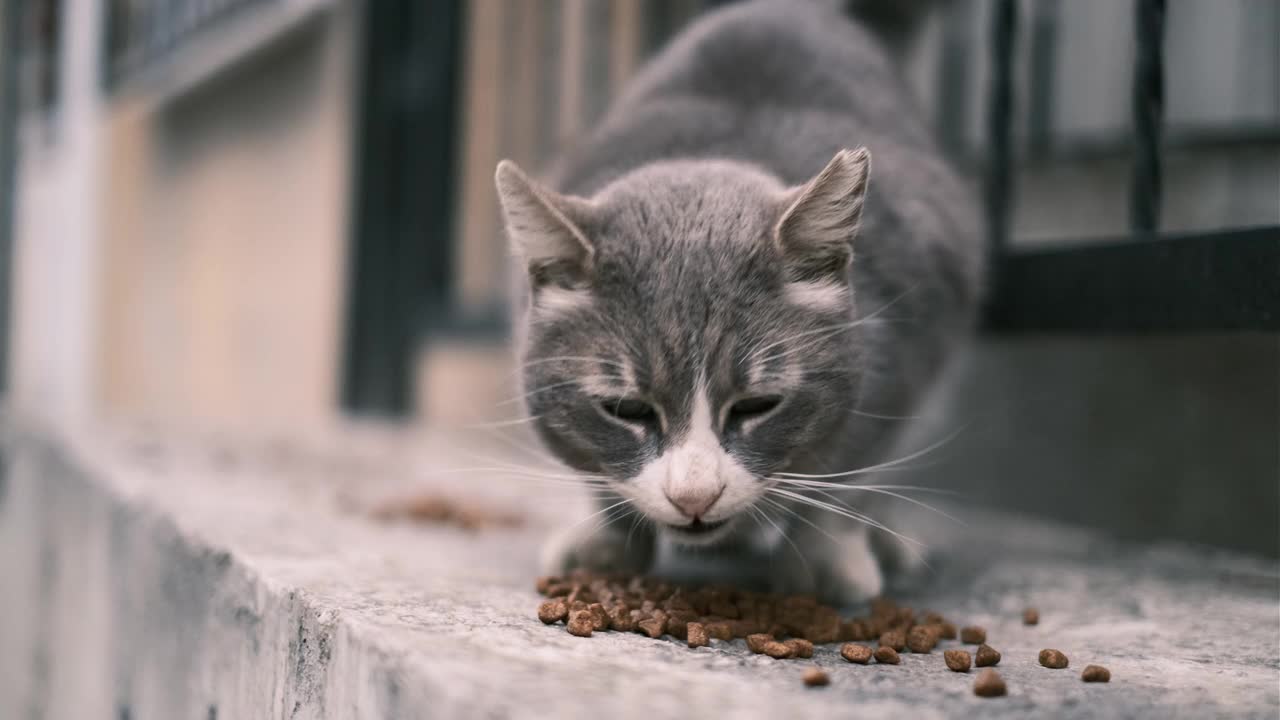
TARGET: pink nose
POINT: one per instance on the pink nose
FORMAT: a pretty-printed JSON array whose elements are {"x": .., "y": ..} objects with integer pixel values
[{"x": 695, "y": 501}]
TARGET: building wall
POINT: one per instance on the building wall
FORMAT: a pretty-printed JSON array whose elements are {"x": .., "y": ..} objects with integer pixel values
[{"x": 225, "y": 239}]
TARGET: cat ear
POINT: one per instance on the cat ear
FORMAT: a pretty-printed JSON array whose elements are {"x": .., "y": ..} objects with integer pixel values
[
  {"x": 817, "y": 229},
  {"x": 543, "y": 227}
]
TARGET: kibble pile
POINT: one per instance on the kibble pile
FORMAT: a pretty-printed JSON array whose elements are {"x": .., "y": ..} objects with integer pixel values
[{"x": 781, "y": 627}]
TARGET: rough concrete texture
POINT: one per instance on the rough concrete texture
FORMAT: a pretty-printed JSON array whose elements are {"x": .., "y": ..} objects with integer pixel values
[{"x": 207, "y": 579}]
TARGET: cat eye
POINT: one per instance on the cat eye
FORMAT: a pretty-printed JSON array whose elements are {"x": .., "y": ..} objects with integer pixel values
[
  {"x": 753, "y": 407},
  {"x": 629, "y": 410}
]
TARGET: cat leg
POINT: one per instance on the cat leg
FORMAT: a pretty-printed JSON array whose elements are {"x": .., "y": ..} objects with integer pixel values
[
  {"x": 831, "y": 559},
  {"x": 609, "y": 542}
]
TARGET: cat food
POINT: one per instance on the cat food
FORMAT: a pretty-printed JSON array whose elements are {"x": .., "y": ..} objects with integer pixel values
[
  {"x": 553, "y": 611},
  {"x": 947, "y": 631},
  {"x": 895, "y": 639},
  {"x": 815, "y": 677},
  {"x": 580, "y": 624},
  {"x": 599, "y": 617},
  {"x": 887, "y": 655},
  {"x": 973, "y": 635},
  {"x": 1051, "y": 658},
  {"x": 1030, "y": 616},
  {"x": 719, "y": 630},
  {"x": 957, "y": 660},
  {"x": 856, "y": 653},
  {"x": 986, "y": 656},
  {"x": 921, "y": 639},
  {"x": 778, "y": 650},
  {"x": 989, "y": 684},
  {"x": 696, "y": 634},
  {"x": 801, "y": 648},
  {"x": 653, "y": 627},
  {"x": 1095, "y": 673},
  {"x": 757, "y": 641}
]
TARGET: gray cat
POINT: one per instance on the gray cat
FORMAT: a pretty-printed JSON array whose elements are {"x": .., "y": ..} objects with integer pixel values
[{"x": 700, "y": 327}]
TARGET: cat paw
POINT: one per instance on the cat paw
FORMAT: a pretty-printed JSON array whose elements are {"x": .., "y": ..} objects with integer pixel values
[
  {"x": 597, "y": 551},
  {"x": 853, "y": 575}
]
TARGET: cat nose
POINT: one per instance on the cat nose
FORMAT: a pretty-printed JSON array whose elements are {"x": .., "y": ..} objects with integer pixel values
[{"x": 695, "y": 501}]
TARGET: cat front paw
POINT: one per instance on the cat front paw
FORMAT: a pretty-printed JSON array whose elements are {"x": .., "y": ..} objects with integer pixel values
[
  {"x": 840, "y": 573},
  {"x": 598, "y": 551}
]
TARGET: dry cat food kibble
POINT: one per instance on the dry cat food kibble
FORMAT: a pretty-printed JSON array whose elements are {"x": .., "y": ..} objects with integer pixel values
[
  {"x": 887, "y": 655},
  {"x": 553, "y": 611},
  {"x": 986, "y": 656},
  {"x": 856, "y": 653},
  {"x": 800, "y": 648},
  {"x": 989, "y": 684},
  {"x": 973, "y": 635},
  {"x": 947, "y": 631},
  {"x": 697, "y": 635},
  {"x": 757, "y": 641},
  {"x": 580, "y": 624},
  {"x": 957, "y": 660},
  {"x": 1051, "y": 658},
  {"x": 895, "y": 639},
  {"x": 815, "y": 677},
  {"x": 921, "y": 639},
  {"x": 1095, "y": 673},
  {"x": 778, "y": 650},
  {"x": 1030, "y": 616}
]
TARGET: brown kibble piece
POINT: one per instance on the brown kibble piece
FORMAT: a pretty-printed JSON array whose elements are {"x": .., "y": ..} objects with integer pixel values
[
  {"x": 895, "y": 639},
  {"x": 989, "y": 684},
  {"x": 1095, "y": 673},
  {"x": 973, "y": 635},
  {"x": 855, "y": 653},
  {"x": 757, "y": 641},
  {"x": 1051, "y": 658},
  {"x": 815, "y": 677},
  {"x": 553, "y": 611},
  {"x": 778, "y": 650},
  {"x": 947, "y": 631},
  {"x": 697, "y": 635},
  {"x": 719, "y": 630},
  {"x": 653, "y": 627},
  {"x": 986, "y": 656},
  {"x": 957, "y": 660},
  {"x": 887, "y": 655},
  {"x": 1030, "y": 616},
  {"x": 580, "y": 624},
  {"x": 921, "y": 639},
  {"x": 544, "y": 583},
  {"x": 802, "y": 648},
  {"x": 599, "y": 617}
]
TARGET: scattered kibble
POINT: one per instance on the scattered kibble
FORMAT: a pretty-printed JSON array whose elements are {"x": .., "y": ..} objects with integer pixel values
[
  {"x": 957, "y": 660},
  {"x": 580, "y": 624},
  {"x": 1030, "y": 616},
  {"x": 553, "y": 611},
  {"x": 887, "y": 655},
  {"x": 986, "y": 656},
  {"x": 1095, "y": 673},
  {"x": 1051, "y": 658},
  {"x": 697, "y": 635},
  {"x": 816, "y": 677},
  {"x": 973, "y": 635},
  {"x": 947, "y": 631},
  {"x": 921, "y": 639},
  {"x": 800, "y": 648},
  {"x": 895, "y": 639},
  {"x": 778, "y": 650},
  {"x": 856, "y": 653},
  {"x": 757, "y": 641},
  {"x": 989, "y": 684}
]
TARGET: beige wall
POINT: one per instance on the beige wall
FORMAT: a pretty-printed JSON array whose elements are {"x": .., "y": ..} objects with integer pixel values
[{"x": 225, "y": 213}]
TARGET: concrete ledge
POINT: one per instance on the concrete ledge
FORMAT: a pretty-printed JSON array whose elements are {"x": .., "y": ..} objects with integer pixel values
[{"x": 207, "y": 579}]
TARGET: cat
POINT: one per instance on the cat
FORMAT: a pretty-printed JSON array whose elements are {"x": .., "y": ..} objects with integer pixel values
[{"x": 719, "y": 296}]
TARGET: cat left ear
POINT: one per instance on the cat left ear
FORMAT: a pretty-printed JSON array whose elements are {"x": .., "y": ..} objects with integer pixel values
[
  {"x": 821, "y": 219},
  {"x": 545, "y": 228}
]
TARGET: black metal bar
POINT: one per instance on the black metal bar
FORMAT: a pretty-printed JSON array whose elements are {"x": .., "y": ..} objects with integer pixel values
[
  {"x": 1226, "y": 281},
  {"x": 11, "y": 21},
  {"x": 952, "y": 113},
  {"x": 1043, "y": 49},
  {"x": 1004, "y": 24},
  {"x": 1148, "y": 116},
  {"x": 401, "y": 246}
]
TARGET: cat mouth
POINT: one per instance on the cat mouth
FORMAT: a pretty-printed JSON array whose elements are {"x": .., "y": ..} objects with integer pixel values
[{"x": 698, "y": 528}]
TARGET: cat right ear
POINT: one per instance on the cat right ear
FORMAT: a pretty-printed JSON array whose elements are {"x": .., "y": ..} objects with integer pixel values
[{"x": 545, "y": 229}]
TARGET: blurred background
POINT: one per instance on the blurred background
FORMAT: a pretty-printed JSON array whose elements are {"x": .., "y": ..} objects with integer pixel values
[{"x": 271, "y": 215}]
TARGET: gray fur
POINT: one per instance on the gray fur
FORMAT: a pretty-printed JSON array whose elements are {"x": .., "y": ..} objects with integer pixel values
[{"x": 722, "y": 174}]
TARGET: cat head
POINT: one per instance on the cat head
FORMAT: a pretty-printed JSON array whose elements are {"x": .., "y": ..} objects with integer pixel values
[{"x": 687, "y": 329}]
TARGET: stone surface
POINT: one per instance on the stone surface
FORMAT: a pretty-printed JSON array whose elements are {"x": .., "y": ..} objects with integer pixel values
[{"x": 151, "y": 578}]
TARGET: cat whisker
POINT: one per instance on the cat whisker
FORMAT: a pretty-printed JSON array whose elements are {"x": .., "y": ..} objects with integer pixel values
[
  {"x": 877, "y": 416},
  {"x": 844, "y": 512},
  {"x": 754, "y": 352},
  {"x": 808, "y": 570},
  {"x": 884, "y": 465}
]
